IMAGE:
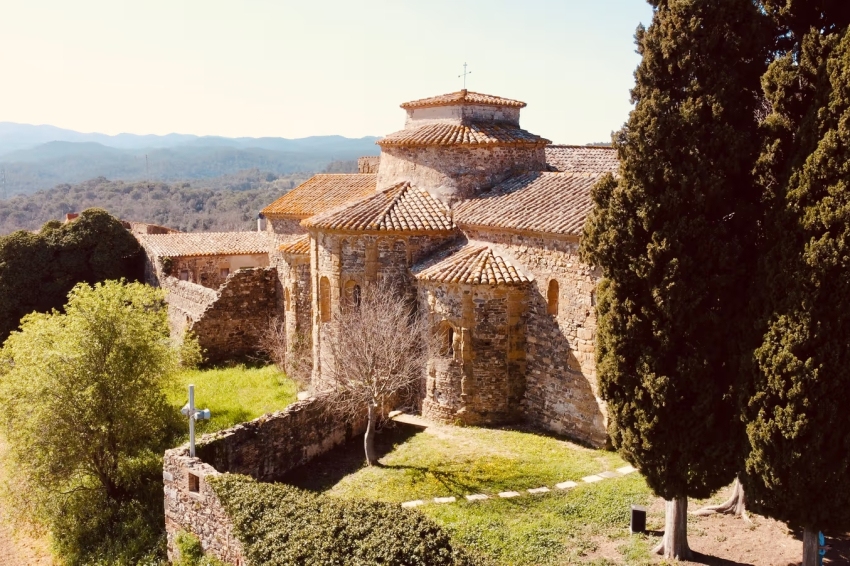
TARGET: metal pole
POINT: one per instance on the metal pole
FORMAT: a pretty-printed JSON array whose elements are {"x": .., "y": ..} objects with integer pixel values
[{"x": 192, "y": 421}]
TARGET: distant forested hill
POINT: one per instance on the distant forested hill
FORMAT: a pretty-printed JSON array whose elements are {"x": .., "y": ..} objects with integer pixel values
[
  {"x": 225, "y": 203},
  {"x": 40, "y": 157}
]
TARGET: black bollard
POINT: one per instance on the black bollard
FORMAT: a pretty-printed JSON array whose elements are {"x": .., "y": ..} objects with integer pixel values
[{"x": 638, "y": 522}]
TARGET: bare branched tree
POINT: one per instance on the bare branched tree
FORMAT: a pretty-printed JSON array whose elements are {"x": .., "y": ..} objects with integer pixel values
[
  {"x": 374, "y": 356},
  {"x": 293, "y": 355}
]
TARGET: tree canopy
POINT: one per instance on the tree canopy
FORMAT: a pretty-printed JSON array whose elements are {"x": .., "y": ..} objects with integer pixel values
[
  {"x": 86, "y": 418},
  {"x": 798, "y": 468},
  {"x": 37, "y": 270},
  {"x": 673, "y": 235}
]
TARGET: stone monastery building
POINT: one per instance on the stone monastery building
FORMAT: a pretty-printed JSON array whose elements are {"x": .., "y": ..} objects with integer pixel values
[{"x": 476, "y": 217}]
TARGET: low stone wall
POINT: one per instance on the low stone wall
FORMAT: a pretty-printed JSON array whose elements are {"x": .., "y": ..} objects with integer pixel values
[{"x": 265, "y": 449}]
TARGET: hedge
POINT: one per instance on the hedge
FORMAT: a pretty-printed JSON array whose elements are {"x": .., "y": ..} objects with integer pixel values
[{"x": 280, "y": 525}]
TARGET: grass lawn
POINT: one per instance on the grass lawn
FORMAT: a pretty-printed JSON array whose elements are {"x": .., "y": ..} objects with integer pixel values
[
  {"x": 233, "y": 395},
  {"x": 585, "y": 525}
]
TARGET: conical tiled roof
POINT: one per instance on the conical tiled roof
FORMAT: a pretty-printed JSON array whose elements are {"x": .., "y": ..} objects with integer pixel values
[
  {"x": 463, "y": 97},
  {"x": 473, "y": 264},
  {"x": 401, "y": 208},
  {"x": 474, "y": 133}
]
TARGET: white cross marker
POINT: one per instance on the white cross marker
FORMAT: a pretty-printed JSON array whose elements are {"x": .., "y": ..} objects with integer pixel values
[{"x": 189, "y": 411}]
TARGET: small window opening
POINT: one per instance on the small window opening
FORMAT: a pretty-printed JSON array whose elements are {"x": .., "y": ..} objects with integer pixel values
[
  {"x": 447, "y": 340},
  {"x": 593, "y": 298},
  {"x": 355, "y": 295},
  {"x": 224, "y": 272},
  {"x": 184, "y": 275},
  {"x": 194, "y": 483},
  {"x": 287, "y": 302},
  {"x": 325, "y": 299},
  {"x": 552, "y": 297}
]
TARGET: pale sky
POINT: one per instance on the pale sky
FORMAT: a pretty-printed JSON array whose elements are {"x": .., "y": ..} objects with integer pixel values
[{"x": 292, "y": 69}]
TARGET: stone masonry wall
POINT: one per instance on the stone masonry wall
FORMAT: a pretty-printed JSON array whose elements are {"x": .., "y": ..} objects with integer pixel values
[
  {"x": 452, "y": 173},
  {"x": 265, "y": 449},
  {"x": 227, "y": 322},
  {"x": 368, "y": 164},
  {"x": 212, "y": 271},
  {"x": 561, "y": 389},
  {"x": 478, "y": 378},
  {"x": 294, "y": 294},
  {"x": 230, "y": 327},
  {"x": 285, "y": 226},
  {"x": 346, "y": 260}
]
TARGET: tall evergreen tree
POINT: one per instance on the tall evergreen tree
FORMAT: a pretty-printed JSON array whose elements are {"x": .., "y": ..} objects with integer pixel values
[
  {"x": 798, "y": 468},
  {"x": 674, "y": 234}
]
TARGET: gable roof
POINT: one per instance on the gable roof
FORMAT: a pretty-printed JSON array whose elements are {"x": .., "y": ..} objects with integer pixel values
[
  {"x": 320, "y": 193},
  {"x": 474, "y": 133},
  {"x": 297, "y": 246},
  {"x": 463, "y": 97},
  {"x": 582, "y": 158},
  {"x": 186, "y": 244},
  {"x": 400, "y": 208},
  {"x": 554, "y": 203},
  {"x": 473, "y": 264}
]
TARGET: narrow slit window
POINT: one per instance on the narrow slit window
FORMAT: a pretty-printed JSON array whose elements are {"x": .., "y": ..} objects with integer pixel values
[
  {"x": 184, "y": 275},
  {"x": 194, "y": 483},
  {"x": 224, "y": 272},
  {"x": 325, "y": 299},
  {"x": 447, "y": 339},
  {"x": 552, "y": 297}
]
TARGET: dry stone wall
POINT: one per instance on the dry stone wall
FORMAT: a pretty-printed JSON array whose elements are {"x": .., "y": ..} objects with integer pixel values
[
  {"x": 453, "y": 173},
  {"x": 561, "y": 388},
  {"x": 212, "y": 271},
  {"x": 264, "y": 449}
]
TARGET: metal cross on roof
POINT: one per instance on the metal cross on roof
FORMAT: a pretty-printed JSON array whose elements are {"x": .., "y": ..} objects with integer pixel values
[{"x": 464, "y": 76}]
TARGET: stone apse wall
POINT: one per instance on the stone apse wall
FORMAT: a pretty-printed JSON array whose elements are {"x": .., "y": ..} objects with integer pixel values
[
  {"x": 341, "y": 261},
  {"x": 264, "y": 449},
  {"x": 561, "y": 392},
  {"x": 227, "y": 322},
  {"x": 478, "y": 375}
]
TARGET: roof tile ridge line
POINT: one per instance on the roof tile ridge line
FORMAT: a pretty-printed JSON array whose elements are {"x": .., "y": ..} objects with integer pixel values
[
  {"x": 473, "y": 266},
  {"x": 402, "y": 187},
  {"x": 307, "y": 222},
  {"x": 456, "y": 259},
  {"x": 508, "y": 258}
]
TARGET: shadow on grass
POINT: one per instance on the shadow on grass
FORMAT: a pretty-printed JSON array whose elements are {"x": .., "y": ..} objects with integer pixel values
[
  {"x": 325, "y": 471},
  {"x": 446, "y": 479}
]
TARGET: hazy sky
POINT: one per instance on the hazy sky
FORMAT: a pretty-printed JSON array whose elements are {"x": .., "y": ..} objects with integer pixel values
[{"x": 312, "y": 67}]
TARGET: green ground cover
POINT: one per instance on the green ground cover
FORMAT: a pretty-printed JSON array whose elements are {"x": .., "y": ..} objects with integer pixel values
[
  {"x": 585, "y": 525},
  {"x": 234, "y": 395}
]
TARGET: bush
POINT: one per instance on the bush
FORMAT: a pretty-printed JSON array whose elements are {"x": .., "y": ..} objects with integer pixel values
[
  {"x": 280, "y": 525},
  {"x": 191, "y": 553}
]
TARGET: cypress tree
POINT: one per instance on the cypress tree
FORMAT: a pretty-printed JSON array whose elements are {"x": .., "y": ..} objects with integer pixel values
[
  {"x": 798, "y": 467},
  {"x": 674, "y": 236}
]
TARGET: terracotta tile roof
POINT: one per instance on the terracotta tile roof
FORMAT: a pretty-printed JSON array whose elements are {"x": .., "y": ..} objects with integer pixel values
[
  {"x": 463, "y": 97},
  {"x": 582, "y": 158},
  {"x": 399, "y": 208},
  {"x": 475, "y": 264},
  {"x": 555, "y": 203},
  {"x": 207, "y": 243},
  {"x": 297, "y": 246},
  {"x": 321, "y": 193},
  {"x": 484, "y": 133}
]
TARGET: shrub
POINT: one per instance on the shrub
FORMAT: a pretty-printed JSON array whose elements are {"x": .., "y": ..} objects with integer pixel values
[
  {"x": 191, "y": 553},
  {"x": 280, "y": 525}
]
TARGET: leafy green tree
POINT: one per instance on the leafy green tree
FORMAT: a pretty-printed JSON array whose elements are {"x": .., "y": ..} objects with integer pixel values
[
  {"x": 86, "y": 419},
  {"x": 798, "y": 467},
  {"x": 38, "y": 270},
  {"x": 674, "y": 236}
]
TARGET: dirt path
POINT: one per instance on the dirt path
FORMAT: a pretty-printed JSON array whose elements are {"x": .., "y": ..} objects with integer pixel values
[{"x": 18, "y": 549}]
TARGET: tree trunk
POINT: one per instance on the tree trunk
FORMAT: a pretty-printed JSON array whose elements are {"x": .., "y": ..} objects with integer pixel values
[
  {"x": 674, "y": 544},
  {"x": 369, "y": 438},
  {"x": 735, "y": 505},
  {"x": 810, "y": 548}
]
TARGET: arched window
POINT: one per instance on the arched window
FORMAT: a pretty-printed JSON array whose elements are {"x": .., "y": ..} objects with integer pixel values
[
  {"x": 447, "y": 340},
  {"x": 325, "y": 299},
  {"x": 352, "y": 293},
  {"x": 552, "y": 297}
]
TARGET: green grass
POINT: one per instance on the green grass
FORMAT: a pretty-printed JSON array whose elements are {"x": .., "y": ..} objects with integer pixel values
[
  {"x": 234, "y": 395},
  {"x": 546, "y": 529}
]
